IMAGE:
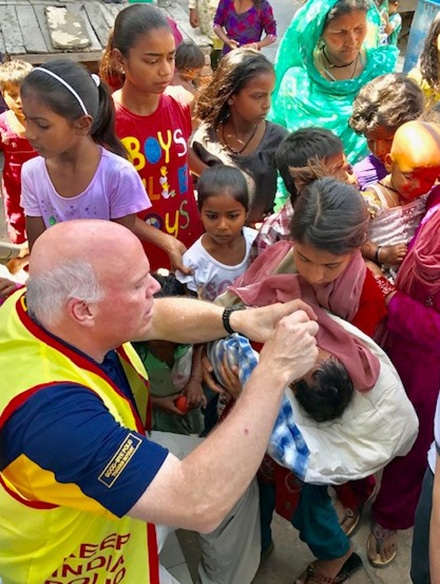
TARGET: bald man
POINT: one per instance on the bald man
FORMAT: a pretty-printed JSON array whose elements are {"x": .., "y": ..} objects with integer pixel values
[{"x": 81, "y": 486}]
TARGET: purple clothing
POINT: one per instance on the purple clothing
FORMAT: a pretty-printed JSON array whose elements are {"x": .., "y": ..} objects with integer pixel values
[
  {"x": 247, "y": 27},
  {"x": 114, "y": 192},
  {"x": 413, "y": 344},
  {"x": 369, "y": 170}
]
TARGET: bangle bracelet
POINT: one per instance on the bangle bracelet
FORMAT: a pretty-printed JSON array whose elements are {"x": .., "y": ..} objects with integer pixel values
[
  {"x": 376, "y": 254},
  {"x": 227, "y": 315}
]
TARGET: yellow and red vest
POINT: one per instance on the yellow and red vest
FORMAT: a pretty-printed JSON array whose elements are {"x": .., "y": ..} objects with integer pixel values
[{"x": 68, "y": 538}]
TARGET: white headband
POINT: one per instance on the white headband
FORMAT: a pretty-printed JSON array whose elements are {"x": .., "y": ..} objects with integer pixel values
[{"x": 67, "y": 86}]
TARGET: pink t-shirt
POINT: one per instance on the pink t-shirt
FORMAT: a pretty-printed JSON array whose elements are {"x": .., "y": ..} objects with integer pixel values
[{"x": 114, "y": 192}]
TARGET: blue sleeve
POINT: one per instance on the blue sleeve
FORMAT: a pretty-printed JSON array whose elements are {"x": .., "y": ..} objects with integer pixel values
[{"x": 67, "y": 429}]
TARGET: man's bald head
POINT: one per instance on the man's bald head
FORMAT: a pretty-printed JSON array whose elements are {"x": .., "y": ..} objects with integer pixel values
[
  {"x": 77, "y": 259},
  {"x": 415, "y": 145},
  {"x": 94, "y": 241}
]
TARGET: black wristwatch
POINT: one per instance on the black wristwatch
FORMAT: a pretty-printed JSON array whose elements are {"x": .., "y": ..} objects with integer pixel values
[{"x": 227, "y": 315}]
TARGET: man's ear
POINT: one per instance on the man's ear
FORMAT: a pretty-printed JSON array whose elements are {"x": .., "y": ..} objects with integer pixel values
[
  {"x": 83, "y": 125},
  {"x": 81, "y": 312},
  {"x": 388, "y": 162}
]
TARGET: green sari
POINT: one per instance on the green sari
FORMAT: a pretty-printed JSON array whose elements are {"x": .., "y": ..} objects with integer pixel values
[{"x": 303, "y": 97}]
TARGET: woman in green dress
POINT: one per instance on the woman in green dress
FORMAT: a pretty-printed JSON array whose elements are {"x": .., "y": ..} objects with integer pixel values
[{"x": 327, "y": 54}]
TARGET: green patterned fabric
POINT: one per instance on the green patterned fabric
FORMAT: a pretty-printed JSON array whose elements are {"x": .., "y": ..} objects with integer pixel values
[{"x": 303, "y": 97}]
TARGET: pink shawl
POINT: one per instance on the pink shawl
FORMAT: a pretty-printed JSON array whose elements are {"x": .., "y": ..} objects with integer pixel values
[{"x": 341, "y": 297}]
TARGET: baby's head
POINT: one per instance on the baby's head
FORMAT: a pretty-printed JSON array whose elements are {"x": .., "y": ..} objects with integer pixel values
[
  {"x": 414, "y": 159},
  {"x": 189, "y": 60},
  {"x": 12, "y": 75},
  {"x": 382, "y": 106},
  {"x": 308, "y": 154},
  {"x": 326, "y": 390}
]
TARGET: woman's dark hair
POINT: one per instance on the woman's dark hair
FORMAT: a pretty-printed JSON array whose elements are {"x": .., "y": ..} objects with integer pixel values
[
  {"x": 220, "y": 179},
  {"x": 95, "y": 97},
  {"x": 345, "y": 7},
  {"x": 306, "y": 149},
  {"x": 189, "y": 56},
  {"x": 429, "y": 55},
  {"x": 330, "y": 393},
  {"x": 235, "y": 70},
  {"x": 131, "y": 23},
  {"x": 388, "y": 101},
  {"x": 330, "y": 215}
]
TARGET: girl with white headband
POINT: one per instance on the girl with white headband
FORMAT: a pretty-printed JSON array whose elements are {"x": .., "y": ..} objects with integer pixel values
[{"x": 81, "y": 171}]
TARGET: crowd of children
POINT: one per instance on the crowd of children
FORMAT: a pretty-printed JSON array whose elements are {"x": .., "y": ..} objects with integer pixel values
[{"x": 223, "y": 199}]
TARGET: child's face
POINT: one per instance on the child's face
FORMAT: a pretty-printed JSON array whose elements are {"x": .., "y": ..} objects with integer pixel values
[
  {"x": 149, "y": 66},
  {"x": 49, "y": 133},
  {"x": 413, "y": 182},
  {"x": 192, "y": 74},
  {"x": 379, "y": 141},
  {"x": 11, "y": 95},
  {"x": 318, "y": 266},
  {"x": 252, "y": 102},
  {"x": 223, "y": 218},
  {"x": 393, "y": 7},
  {"x": 339, "y": 167}
]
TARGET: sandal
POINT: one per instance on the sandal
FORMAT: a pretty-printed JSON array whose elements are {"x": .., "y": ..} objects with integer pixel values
[
  {"x": 350, "y": 520},
  {"x": 309, "y": 576},
  {"x": 379, "y": 536}
]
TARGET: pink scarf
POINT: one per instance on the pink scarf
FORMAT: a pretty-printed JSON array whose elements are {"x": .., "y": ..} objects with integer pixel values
[
  {"x": 421, "y": 265},
  {"x": 341, "y": 297}
]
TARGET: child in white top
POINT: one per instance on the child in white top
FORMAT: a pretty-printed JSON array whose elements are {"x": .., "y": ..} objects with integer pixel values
[
  {"x": 396, "y": 204},
  {"x": 221, "y": 254}
]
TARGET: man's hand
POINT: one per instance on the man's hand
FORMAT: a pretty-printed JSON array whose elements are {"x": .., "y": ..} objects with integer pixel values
[
  {"x": 258, "y": 323},
  {"x": 291, "y": 350}
]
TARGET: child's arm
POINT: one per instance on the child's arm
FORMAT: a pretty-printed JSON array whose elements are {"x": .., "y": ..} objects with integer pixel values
[
  {"x": 193, "y": 14},
  {"x": 384, "y": 255},
  {"x": 193, "y": 389},
  {"x": 169, "y": 244},
  {"x": 34, "y": 228}
]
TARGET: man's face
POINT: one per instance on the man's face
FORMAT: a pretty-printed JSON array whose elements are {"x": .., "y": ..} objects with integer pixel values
[{"x": 126, "y": 311}]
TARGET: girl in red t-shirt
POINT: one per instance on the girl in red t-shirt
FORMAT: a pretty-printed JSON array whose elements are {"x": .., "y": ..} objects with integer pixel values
[{"x": 154, "y": 128}]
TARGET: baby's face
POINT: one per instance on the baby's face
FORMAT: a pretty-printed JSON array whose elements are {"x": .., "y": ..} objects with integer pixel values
[{"x": 412, "y": 181}]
